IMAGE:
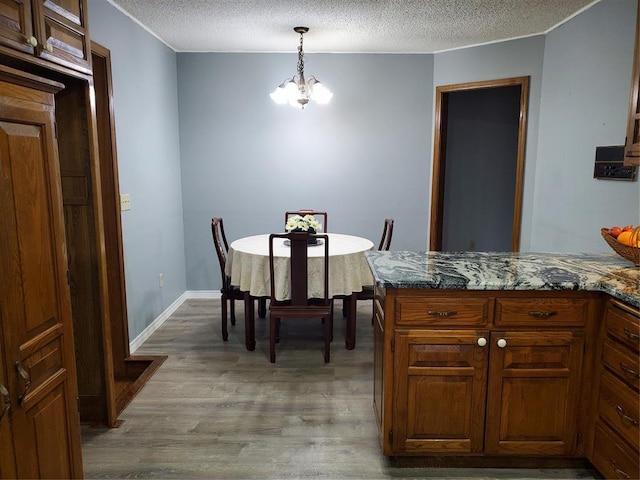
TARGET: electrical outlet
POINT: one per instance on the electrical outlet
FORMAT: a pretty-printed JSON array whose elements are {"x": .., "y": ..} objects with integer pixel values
[
  {"x": 161, "y": 280},
  {"x": 472, "y": 245},
  {"x": 125, "y": 202}
]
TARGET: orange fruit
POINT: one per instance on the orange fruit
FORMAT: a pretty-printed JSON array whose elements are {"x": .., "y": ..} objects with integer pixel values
[{"x": 628, "y": 238}]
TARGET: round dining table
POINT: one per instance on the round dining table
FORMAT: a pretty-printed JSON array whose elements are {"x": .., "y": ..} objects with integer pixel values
[{"x": 248, "y": 267}]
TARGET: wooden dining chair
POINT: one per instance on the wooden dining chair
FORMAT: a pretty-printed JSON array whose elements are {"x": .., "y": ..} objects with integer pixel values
[
  {"x": 229, "y": 293},
  {"x": 367, "y": 292},
  {"x": 262, "y": 301},
  {"x": 299, "y": 305},
  {"x": 315, "y": 213}
]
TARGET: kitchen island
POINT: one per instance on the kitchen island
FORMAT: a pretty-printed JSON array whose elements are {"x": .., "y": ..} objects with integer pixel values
[{"x": 495, "y": 356}]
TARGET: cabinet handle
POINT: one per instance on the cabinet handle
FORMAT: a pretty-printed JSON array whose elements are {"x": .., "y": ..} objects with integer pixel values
[
  {"x": 48, "y": 47},
  {"x": 538, "y": 314},
  {"x": 626, "y": 418},
  {"x": 32, "y": 41},
  {"x": 437, "y": 313},
  {"x": 502, "y": 343},
  {"x": 27, "y": 381},
  {"x": 617, "y": 470},
  {"x": 631, "y": 335},
  {"x": 482, "y": 341},
  {"x": 628, "y": 371},
  {"x": 6, "y": 400}
]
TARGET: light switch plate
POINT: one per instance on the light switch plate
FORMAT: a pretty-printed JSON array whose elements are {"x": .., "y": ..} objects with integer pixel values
[{"x": 125, "y": 202}]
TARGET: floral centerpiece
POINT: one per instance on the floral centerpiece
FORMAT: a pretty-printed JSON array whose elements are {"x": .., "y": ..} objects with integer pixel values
[
  {"x": 298, "y": 223},
  {"x": 308, "y": 224}
]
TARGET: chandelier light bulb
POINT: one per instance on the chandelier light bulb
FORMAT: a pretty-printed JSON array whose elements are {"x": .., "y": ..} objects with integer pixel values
[{"x": 297, "y": 91}]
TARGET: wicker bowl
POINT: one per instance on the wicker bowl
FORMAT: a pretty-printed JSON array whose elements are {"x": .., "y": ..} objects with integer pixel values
[{"x": 626, "y": 251}]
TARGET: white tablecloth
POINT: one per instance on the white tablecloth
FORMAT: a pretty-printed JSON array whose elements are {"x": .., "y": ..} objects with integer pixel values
[{"x": 248, "y": 266}]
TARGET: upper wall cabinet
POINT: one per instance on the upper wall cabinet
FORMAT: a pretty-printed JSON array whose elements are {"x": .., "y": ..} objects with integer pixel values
[
  {"x": 632, "y": 147},
  {"x": 53, "y": 30}
]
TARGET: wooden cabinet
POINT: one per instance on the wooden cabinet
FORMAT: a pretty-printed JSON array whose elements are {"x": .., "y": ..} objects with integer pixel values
[
  {"x": 480, "y": 373},
  {"x": 617, "y": 432},
  {"x": 39, "y": 430},
  {"x": 51, "y": 30},
  {"x": 440, "y": 391},
  {"x": 534, "y": 383},
  {"x": 632, "y": 145}
]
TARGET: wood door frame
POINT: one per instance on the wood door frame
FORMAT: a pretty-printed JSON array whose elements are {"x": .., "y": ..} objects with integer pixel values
[
  {"x": 109, "y": 179},
  {"x": 439, "y": 155},
  {"x": 129, "y": 373}
]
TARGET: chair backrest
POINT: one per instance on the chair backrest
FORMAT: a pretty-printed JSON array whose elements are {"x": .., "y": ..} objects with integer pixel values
[
  {"x": 299, "y": 266},
  {"x": 221, "y": 248},
  {"x": 387, "y": 232},
  {"x": 222, "y": 234},
  {"x": 315, "y": 213}
]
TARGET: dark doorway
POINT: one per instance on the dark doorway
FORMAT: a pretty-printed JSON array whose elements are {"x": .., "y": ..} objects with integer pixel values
[{"x": 479, "y": 165}]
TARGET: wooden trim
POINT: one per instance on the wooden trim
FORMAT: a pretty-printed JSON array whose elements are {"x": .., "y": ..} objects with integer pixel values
[
  {"x": 111, "y": 204},
  {"x": 439, "y": 154},
  {"x": 18, "y": 77}
]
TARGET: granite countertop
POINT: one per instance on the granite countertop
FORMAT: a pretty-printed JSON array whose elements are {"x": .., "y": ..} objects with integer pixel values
[{"x": 606, "y": 273}]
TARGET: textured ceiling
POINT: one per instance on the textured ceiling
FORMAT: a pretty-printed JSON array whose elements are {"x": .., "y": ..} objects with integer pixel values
[{"x": 345, "y": 26}]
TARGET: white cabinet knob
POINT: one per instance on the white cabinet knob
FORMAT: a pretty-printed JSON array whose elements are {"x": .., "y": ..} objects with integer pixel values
[
  {"x": 32, "y": 41},
  {"x": 48, "y": 47},
  {"x": 482, "y": 341},
  {"x": 502, "y": 343}
]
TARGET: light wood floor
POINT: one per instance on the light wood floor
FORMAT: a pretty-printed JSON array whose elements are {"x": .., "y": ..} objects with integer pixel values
[{"x": 215, "y": 410}]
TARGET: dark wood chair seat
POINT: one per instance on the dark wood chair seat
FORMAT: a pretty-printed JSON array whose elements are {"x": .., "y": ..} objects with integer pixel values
[{"x": 299, "y": 305}]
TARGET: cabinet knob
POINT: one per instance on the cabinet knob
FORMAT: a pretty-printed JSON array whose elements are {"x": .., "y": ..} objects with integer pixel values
[
  {"x": 502, "y": 343},
  {"x": 482, "y": 341},
  {"x": 32, "y": 41},
  {"x": 48, "y": 47}
]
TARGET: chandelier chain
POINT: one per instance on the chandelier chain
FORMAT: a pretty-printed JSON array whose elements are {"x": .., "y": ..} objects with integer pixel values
[{"x": 300, "y": 58}]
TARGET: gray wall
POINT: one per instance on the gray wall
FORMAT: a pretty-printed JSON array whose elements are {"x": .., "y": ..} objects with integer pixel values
[
  {"x": 146, "y": 113},
  {"x": 585, "y": 85},
  {"x": 365, "y": 156}
]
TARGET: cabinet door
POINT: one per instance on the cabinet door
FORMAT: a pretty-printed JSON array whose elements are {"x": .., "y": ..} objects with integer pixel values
[
  {"x": 534, "y": 380},
  {"x": 16, "y": 25},
  {"x": 440, "y": 391},
  {"x": 35, "y": 305},
  {"x": 61, "y": 27}
]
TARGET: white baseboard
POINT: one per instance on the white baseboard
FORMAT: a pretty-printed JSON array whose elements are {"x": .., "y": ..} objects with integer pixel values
[
  {"x": 203, "y": 294},
  {"x": 153, "y": 326}
]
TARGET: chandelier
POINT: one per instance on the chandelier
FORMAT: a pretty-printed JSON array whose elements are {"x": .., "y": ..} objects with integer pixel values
[{"x": 297, "y": 91}]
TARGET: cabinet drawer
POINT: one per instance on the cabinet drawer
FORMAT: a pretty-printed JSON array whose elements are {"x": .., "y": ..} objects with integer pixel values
[
  {"x": 618, "y": 406},
  {"x": 623, "y": 363},
  {"x": 541, "y": 312},
  {"x": 612, "y": 457},
  {"x": 624, "y": 327},
  {"x": 443, "y": 311}
]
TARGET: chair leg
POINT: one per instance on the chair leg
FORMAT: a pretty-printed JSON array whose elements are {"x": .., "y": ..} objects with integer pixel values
[
  {"x": 225, "y": 332},
  {"x": 262, "y": 307},
  {"x": 273, "y": 326},
  {"x": 345, "y": 306},
  {"x": 249, "y": 322},
  {"x": 328, "y": 333},
  {"x": 233, "y": 312}
]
